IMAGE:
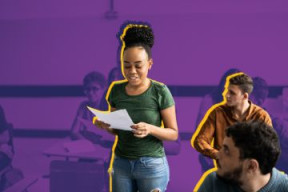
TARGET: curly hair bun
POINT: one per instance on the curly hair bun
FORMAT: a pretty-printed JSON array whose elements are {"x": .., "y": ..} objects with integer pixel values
[{"x": 139, "y": 34}]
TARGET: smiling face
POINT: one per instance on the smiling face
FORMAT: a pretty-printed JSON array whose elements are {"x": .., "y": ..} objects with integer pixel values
[
  {"x": 230, "y": 167},
  {"x": 136, "y": 65},
  {"x": 235, "y": 96}
]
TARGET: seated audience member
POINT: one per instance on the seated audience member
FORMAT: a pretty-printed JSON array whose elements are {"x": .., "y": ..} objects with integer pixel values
[
  {"x": 82, "y": 127},
  {"x": 6, "y": 148},
  {"x": 8, "y": 175},
  {"x": 94, "y": 84},
  {"x": 208, "y": 100},
  {"x": 246, "y": 161},
  {"x": 260, "y": 91},
  {"x": 237, "y": 107},
  {"x": 258, "y": 96}
]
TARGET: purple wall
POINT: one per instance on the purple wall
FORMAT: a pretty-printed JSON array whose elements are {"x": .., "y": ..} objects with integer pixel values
[{"x": 58, "y": 42}]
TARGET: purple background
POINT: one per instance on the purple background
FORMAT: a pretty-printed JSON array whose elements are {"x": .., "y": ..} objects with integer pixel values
[{"x": 57, "y": 42}]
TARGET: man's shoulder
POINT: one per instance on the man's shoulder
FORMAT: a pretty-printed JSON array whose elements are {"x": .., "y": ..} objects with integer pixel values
[
  {"x": 280, "y": 180},
  {"x": 207, "y": 182},
  {"x": 258, "y": 112},
  {"x": 257, "y": 109},
  {"x": 217, "y": 109},
  {"x": 220, "y": 108}
]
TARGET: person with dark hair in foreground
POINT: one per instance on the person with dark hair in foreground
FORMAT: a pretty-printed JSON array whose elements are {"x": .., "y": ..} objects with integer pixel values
[
  {"x": 140, "y": 162},
  {"x": 246, "y": 161},
  {"x": 236, "y": 108}
]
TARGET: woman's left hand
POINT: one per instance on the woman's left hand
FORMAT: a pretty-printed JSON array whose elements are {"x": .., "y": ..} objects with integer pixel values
[{"x": 141, "y": 129}]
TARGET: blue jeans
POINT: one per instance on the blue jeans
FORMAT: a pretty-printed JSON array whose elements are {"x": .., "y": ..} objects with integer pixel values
[{"x": 146, "y": 174}]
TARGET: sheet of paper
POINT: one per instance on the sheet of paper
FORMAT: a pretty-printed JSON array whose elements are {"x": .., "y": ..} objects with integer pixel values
[{"x": 119, "y": 119}]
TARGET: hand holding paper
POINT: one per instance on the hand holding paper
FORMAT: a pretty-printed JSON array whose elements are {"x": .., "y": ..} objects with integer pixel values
[{"x": 119, "y": 119}]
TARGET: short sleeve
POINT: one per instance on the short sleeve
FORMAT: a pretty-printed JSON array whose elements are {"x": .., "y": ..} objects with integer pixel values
[{"x": 165, "y": 98}]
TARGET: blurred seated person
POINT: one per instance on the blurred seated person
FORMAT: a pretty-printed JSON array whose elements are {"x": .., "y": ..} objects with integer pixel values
[
  {"x": 82, "y": 127},
  {"x": 6, "y": 148},
  {"x": 260, "y": 91},
  {"x": 258, "y": 96},
  {"x": 281, "y": 126},
  {"x": 94, "y": 84},
  {"x": 8, "y": 175}
]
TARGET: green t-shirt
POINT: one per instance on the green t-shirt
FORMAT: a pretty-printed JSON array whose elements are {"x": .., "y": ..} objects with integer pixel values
[{"x": 146, "y": 108}]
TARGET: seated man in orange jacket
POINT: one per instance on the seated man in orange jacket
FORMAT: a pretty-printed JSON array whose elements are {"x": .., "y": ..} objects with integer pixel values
[{"x": 236, "y": 107}]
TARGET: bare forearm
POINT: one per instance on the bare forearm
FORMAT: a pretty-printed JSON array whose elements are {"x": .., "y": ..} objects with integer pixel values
[{"x": 168, "y": 134}]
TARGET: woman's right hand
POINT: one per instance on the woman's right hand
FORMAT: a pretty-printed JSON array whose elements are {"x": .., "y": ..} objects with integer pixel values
[{"x": 104, "y": 126}]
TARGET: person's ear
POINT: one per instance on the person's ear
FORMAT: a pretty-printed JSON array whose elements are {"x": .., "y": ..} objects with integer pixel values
[
  {"x": 150, "y": 63},
  {"x": 246, "y": 95},
  {"x": 252, "y": 165}
]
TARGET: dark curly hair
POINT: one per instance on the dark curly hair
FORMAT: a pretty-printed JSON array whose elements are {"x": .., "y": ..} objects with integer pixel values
[
  {"x": 256, "y": 140},
  {"x": 134, "y": 34},
  {"x": 244, "y": 82}
]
